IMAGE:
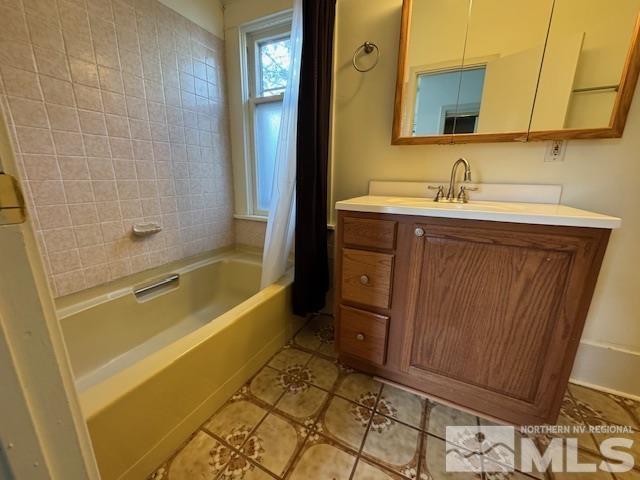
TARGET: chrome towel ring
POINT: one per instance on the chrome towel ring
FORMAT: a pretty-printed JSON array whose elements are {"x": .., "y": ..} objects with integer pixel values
[{"x": 367, "y": 48}]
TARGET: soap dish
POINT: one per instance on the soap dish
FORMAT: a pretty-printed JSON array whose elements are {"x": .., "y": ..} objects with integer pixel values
[{"x": 146, "y": 229}]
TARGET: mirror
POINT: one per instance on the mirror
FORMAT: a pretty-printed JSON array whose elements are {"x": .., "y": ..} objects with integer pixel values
[{"x": 504, "y": 70}]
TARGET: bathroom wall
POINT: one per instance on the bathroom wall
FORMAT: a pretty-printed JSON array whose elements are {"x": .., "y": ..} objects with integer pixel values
[
  {"x": 600, "y": 175},
  {"x": 118, "y": 114},
  {"x": 206, "y": 13}
]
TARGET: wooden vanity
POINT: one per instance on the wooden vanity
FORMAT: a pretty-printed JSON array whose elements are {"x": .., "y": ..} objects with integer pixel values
[{"x": 486, "y": 315}]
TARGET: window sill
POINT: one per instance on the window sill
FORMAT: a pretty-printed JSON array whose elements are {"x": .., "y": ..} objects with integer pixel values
[
  {"x": 253, "y": 218},
  {"x": 260, "y": 218}
]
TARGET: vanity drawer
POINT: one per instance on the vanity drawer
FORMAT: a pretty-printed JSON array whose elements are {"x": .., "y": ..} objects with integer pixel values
[
  {"x": 366, "y": 277},
  {"x": 369, "y": 233},
  {"x": 363, "y": 334}
]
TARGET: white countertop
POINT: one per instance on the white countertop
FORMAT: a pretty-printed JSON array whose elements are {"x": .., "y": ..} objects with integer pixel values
[{"x": 534, "y": 213}]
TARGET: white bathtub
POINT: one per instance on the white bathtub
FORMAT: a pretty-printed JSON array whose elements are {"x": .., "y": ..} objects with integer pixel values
[{"x": 150, "y": 370}]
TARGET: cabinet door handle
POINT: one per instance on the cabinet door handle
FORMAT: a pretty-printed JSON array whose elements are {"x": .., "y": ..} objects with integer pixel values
[
  {"x": 419, "y": 232},
  {"x": 364, "y": 280},
  {"x": 360, "y": 337}
]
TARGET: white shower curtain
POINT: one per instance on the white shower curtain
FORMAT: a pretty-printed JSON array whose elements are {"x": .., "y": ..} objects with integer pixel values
[{"x": 281, "y": 223}]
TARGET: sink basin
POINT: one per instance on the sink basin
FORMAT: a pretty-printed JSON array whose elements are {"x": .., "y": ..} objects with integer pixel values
[
  {"x": 471, "y": 205},
  {"x": 513, "y": 212}
]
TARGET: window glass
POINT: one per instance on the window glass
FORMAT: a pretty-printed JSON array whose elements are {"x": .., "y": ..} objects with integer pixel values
[
  {"x": 275, "y": 58},
  {"x": 267, "y": 122}
]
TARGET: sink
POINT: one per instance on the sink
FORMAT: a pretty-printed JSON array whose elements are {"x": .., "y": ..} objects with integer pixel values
[
  {"x": 471, "y": 205},
  {"x": 512, "y": 212}
]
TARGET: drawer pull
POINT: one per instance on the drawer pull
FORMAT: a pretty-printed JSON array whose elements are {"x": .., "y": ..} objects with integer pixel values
[
  {"x": 419, "y": 232},
  {"x": 364, "y": 280},
  {"x": 360, "y": 337}
]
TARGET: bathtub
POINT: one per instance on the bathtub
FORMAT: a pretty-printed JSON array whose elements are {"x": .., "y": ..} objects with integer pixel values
[{"x": 150, "y": 368}]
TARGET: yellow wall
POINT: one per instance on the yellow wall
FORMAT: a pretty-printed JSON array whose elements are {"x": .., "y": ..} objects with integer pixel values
[
  {"x": 206, "y": 13},
  {"x": 600, "y": 175}
]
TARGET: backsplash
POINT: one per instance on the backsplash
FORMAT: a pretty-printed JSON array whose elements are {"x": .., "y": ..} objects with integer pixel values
[{"x": 118, "y": 114}]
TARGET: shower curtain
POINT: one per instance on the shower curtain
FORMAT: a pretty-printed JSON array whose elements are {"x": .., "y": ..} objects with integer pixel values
[{"x": 281, "y": 222}]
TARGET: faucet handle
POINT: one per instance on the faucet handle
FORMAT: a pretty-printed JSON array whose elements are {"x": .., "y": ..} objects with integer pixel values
[
  {"x": 440, "y": 192},
  {"x": 462, "y": 195}
]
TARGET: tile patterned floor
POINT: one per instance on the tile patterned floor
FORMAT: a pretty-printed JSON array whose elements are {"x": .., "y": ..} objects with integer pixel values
[{"x": 304, "y": 416}]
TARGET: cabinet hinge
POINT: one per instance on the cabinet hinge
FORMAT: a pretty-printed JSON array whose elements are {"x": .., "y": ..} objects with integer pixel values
[{"x": 12, "y": 209}]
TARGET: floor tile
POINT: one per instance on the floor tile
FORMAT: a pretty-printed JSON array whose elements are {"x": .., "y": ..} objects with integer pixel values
[
  {"x": 440, "y": 416},
  {"x": 346, "y": 422},
  {"x": 630, "y": 475},
  {"x": 394, "y": 444},
  {"x": 359, "y": 388},
  {"x": 328, "y": 349},
  {"x": 323, "y": 461},
  {"x": 302, "y": 404},
  {"x": 289, "y": 357},
  {"x": 583, "y": 457},
  {"x": 598, "y": 408},
  {"x": 266, "y": 386},
  {"x": 401, "y": 405},
  {"x": 570, "y": 417},
  {"x": 634, "y": 451},
  {"x": 496, "y": 454},
  {"x": 318, "y": 333},
  {"x": 325, "y": 373},
  {"x": 203, "y": 457},
  {"x": 433, "y": 458},
  {"x": 367, "y": 471},
  {"x": 235, "y": 421},
  {"x": 278, "y": 440},
  {"x": 239, "y": 468}
]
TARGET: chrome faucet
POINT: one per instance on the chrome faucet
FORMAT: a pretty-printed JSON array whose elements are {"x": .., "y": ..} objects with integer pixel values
[{"x": 462, "y": 194}]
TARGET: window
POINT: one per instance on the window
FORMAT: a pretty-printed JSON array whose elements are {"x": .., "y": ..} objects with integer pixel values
[{"x": 268, "y": 61}]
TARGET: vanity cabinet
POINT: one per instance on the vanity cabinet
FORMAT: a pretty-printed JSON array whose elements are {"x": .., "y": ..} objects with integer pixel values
[{"x": 485, "y": 315}]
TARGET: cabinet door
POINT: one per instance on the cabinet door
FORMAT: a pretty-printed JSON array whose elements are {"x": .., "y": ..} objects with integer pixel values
[{"x": 491, "y": 312}]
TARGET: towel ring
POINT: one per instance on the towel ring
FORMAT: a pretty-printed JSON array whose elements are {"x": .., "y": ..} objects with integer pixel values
[{"x": 367, "y": 48}]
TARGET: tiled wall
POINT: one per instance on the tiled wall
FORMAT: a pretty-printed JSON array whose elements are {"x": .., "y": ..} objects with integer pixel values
[
  {"x": 118, "y": 114},
  {"x": 250, "y": 232}
]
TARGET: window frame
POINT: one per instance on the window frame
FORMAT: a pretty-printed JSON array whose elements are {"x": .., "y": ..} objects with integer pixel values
[{"x": 252, "y": 35}]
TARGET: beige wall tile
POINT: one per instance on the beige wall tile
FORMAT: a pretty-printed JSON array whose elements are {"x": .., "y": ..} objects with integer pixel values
[
  {"x": 92, "y": 122},
  {"x": 96, "y": 145},
  {"x": 88, "y": 235},
  {"x": 66, "y": 261},
  {"x": 106, "y": 137},
  {"x": 55, "y": 216},
  {"x": 68, "y": 143},
  {"x": 18, "y": 55},
  {"x": 63, "y": 118},
  {"x": 52, "y": 62},
  {"x": 59, "y": 240},
  {"x": 34, "y": 140},
  {"x": 73, "y": 168},
  {"x": 88, "y": 98},
  {"x": 28, "y": 113},
  {"x": 117, "y": 126},
  {"x": 57, "y": 91},
  {"x": 20, "y": 83},
  {"x": 47, "y": 192},
  {"x": 78, "y": 191},
  {"x": 84, "y": 72},
  {"x": 69, "y": 282},
  {"x": 45, "y": 32},
  {"x": 41, "y": 167},
  {"x": 83, "y": 214}
]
